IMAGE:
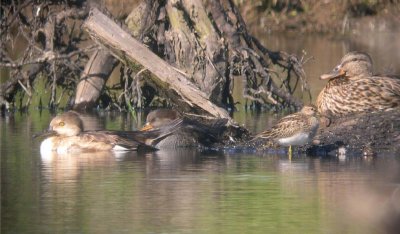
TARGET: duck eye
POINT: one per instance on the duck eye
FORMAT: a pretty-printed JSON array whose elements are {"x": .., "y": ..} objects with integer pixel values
[
  {"x": 61, "y": 124},
  {"x": 336, "y": 68}
]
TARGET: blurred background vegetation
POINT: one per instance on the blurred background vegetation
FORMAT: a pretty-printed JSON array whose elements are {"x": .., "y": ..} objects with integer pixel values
[
  {"x": 326, "y": 16},
  {"x": 311, "y": 16}
]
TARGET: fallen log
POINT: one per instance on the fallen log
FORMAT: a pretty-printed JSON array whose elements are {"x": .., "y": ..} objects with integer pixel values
[{"x": 130, "y": 51}]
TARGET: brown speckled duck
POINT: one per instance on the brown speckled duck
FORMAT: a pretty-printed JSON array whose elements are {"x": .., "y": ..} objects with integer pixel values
[
  {"x": 295, "y": 129},
  {"x": 352, "y": 88}
]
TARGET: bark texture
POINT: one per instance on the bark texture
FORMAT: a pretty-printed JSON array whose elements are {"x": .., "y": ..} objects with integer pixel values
[
  {"x": 128, "y": 49},
  {"x": 93, "y": 78}
]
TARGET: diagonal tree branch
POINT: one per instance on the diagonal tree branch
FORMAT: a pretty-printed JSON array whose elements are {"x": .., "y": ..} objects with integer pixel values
[{"x": 106, "y": 32}]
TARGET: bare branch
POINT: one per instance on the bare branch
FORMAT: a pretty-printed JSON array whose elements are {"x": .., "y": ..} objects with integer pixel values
[{"x": 49, "y": 56}]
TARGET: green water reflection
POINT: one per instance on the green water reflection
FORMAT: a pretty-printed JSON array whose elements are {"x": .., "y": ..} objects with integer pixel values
[{"x": 186, "y": 191}]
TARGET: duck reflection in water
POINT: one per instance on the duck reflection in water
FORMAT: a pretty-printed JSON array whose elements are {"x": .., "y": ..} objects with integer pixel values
[
  {"x": 66, "y": 135},
  {"x": 190, "y": 133}
]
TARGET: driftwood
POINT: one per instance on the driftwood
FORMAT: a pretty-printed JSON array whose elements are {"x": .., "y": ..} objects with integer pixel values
[
  {"x": 129, "y": 50},
  {"x": 209, "y": 44},
  {"x": 101, "y": 64},
  {"x": 93, "y": 79},
  {"x": 205, "y": 41}
]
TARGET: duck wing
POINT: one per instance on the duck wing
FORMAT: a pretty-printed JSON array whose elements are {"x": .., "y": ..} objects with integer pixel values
[
  {"x": 383, "y": 91},
  {"x": 206, "y": 133},
  {"x": 151, "y": 137},
  {"x": 106, "y": 140},
  {"x": 286, "y": 127}
]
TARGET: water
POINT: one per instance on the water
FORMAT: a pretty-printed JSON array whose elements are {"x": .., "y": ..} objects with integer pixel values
[{"x": 187, "y": 191}]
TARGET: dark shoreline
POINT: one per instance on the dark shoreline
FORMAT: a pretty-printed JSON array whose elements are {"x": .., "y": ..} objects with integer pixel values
[{"x": 366, "y": 134}]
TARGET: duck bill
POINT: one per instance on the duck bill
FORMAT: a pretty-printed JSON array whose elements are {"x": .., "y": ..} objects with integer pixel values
[
  {"x": 45, "y": 133},
  {"x": 333, "y": 74},
  {"x": 147, "y": 127}
]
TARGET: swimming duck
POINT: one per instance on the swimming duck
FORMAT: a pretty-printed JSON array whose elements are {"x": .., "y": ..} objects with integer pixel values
[
  {"x": 159, "y": 118},
  {"x": 67, "y": 135},
  {"x": 353, "y": 88},
  {"x": 295, "y": 129},
  {"x": 190, "y": 133}
]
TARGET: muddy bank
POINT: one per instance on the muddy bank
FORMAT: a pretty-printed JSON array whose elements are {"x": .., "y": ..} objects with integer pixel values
[
  {"x": 368, "y": 134},
  {"x": 364, "y": 134}
]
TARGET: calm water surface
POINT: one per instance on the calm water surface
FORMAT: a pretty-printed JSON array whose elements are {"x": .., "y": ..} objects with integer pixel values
[{"x": 186, "y": 191}]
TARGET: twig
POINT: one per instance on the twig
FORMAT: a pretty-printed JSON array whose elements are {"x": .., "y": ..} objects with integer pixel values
[
  {"x": 48, "y": 57},
  {"x": 138, "y": 90},
  {"x": 53, "y": 86}
]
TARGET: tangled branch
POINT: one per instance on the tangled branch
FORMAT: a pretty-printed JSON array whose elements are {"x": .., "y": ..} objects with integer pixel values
[{"x": 46, "y": 43}]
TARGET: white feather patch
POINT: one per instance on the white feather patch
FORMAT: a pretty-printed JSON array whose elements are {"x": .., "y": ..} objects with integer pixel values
[
  {"x": 120, "y": 148},
  {"x": 298, "y": 139}
]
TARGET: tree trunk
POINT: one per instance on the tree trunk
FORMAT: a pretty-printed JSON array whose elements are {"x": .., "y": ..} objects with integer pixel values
[
  {"x": 202, "y": 55},
  {"x": 173, "y": 81},
  {"x": 204, "y": 43},
  {"x": 93, "y": 78}
]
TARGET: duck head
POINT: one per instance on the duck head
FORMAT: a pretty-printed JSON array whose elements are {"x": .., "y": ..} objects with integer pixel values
[
  {"x": 309, "y": 110},
  {"x": 159, "y": 118},
  {"x": 352, "y": 64},
  {"x": 67, "y": 124}
]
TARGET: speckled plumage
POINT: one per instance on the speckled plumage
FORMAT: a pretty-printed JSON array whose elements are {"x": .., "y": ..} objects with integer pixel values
[
  {"x": 295, "y": 129},
  {"x": 352, "y": 88}
]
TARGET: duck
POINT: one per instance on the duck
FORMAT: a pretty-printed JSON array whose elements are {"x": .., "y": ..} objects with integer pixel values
[
  {"x": 353, "y": 88},
  {"x": 296, "y": 129},
  {"x": 159, "y": 118},
  {"x": 191, "y": 133},
  {"x": 67, "y": 135}
]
